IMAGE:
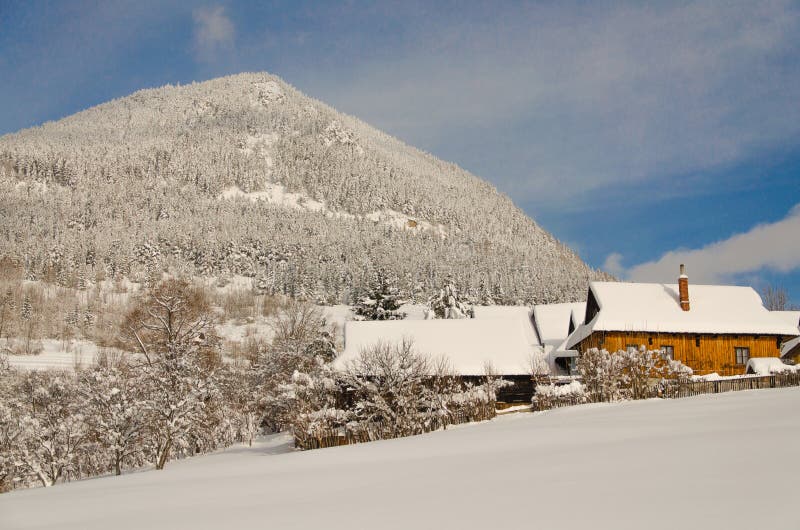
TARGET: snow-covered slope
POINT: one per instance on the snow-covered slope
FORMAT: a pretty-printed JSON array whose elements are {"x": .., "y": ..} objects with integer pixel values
[
  {"x": 715, "y": 462},
  {"x": 246, "y": 175}
]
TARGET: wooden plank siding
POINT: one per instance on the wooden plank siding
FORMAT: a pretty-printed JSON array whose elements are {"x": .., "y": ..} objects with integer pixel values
[{"x": 716, "y": 353}]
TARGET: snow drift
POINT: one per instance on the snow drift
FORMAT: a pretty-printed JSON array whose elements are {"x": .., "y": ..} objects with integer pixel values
[{"x": 650, "y": 464}]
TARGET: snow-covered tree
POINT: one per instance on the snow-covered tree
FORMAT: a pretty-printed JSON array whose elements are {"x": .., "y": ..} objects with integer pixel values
[
  {"x": 53, "y": 429},
  {"x": 447, "y": 303},
  {"x": 113, "y": 399},
  {"x": 171, "y": 325},
  {"x": 388, "y": 387},
  {"x": 301, "y": 336},
  {"x": 382, "y": 300}
]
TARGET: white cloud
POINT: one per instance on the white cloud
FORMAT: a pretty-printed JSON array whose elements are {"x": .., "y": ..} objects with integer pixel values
[
  {"x": 613, "y": 264},
  {"x": 558, "y": 103},
  {"x": 773, "y": 246},
  {"x": 213, "y": 32}
]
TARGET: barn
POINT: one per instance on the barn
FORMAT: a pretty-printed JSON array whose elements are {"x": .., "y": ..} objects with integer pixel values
[
  {"x": 710, "y": 328},
  {"x": 503, "y": 344}
]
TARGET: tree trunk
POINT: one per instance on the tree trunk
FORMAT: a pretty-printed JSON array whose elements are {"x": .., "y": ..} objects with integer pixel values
[{"x": 162, "y": 458}]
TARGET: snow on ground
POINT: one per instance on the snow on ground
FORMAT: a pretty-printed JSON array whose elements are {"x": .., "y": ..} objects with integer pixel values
[
  {"x": 714, "y": 461},
  {"x": 56, "y": 355},
  {"x": 277, "y": 194},
  {"x": 337, "y": 314}
]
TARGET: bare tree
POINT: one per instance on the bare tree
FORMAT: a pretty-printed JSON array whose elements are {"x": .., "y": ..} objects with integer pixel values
[
  {"x": 172, "y": 316},
  {"x": 171, "y": 326},
  {"x": 775, "y": 298}
]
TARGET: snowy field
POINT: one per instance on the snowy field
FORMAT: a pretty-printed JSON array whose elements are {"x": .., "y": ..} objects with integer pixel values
[
  {"x": 56, "y": 355},
  {"x": 719, "y": 461}
]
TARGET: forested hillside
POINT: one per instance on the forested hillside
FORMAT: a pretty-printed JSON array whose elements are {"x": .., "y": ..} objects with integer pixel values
[{"x": 244, "y": 175}]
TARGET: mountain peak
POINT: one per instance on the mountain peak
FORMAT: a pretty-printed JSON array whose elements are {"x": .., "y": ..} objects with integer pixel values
[{"x": 245, "y": 175}]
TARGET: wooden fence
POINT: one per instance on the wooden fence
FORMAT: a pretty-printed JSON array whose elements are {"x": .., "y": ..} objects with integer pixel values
[
  {"x": 681, "y": 389},
  {"x": 538, "y": 405},
  {"x": 381, "y": 430},
  {"x": 695, "y": 388}
]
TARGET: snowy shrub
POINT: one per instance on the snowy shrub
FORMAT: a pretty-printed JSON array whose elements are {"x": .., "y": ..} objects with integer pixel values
[
  {"x": 10, "y": 430},
  {"x": 387, "y": 385},
  {"x": 399, "y": 392},
  {"x": 388, "y": 392},
  {"x": 601, "y": 374},
  {"x": 627, "y": 374},
  {"x": 313, "y": 401},
  {"x": 551, "y": 395}
]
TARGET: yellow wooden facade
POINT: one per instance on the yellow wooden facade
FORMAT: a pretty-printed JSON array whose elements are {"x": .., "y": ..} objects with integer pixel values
[{"x": 704, "y": 353}]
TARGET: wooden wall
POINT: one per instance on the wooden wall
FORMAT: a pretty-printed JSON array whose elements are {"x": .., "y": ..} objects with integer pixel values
[{"x": 715, "y": 354}]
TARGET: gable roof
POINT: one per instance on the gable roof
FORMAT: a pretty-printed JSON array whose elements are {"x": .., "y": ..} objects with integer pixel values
[
  {"x": 468, "y": 344},
  {"x": 552, "y": 320},
  {"x": 654, "y": 307}
]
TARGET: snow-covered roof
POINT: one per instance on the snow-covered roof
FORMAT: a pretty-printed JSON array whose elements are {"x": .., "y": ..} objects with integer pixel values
[
  {"x": 552, "y": 320},
  {"x": 789, "y": 346},
  {"x": 790, "y": 317},
  {"x": 654, "y": 307},
  {"x": 521, "y": 312},
  {"x": 468, "y": 344},
  {"x": 767, "y": 366}
]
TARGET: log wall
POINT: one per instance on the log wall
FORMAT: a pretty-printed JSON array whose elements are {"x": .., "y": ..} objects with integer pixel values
[{"x": 715, "y": 353}]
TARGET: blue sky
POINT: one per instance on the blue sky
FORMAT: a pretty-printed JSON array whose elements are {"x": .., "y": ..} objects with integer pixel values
[{"x": 641, "y": 134}]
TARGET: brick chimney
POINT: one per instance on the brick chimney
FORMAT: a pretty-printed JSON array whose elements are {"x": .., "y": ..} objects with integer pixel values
[{"x": 683, "y": 288}]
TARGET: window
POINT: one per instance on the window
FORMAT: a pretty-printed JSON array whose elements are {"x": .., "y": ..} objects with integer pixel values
[
  {"x": 669, "y": 351},
  {"x": 632, "y": 348},
  {"x": 742, "y": 355}
]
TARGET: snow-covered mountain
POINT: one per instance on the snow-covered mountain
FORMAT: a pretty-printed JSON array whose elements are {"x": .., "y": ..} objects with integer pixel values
[{"x": 245, "y": 175}]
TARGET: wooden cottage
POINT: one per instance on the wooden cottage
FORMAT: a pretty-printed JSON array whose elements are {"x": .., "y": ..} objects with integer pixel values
[{"x": 710, "y": 328}]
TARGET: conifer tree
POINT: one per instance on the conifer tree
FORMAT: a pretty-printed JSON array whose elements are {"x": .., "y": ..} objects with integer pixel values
[
  {"x": 448, "y": 304},
  {"x": 382, "y": 299}
]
